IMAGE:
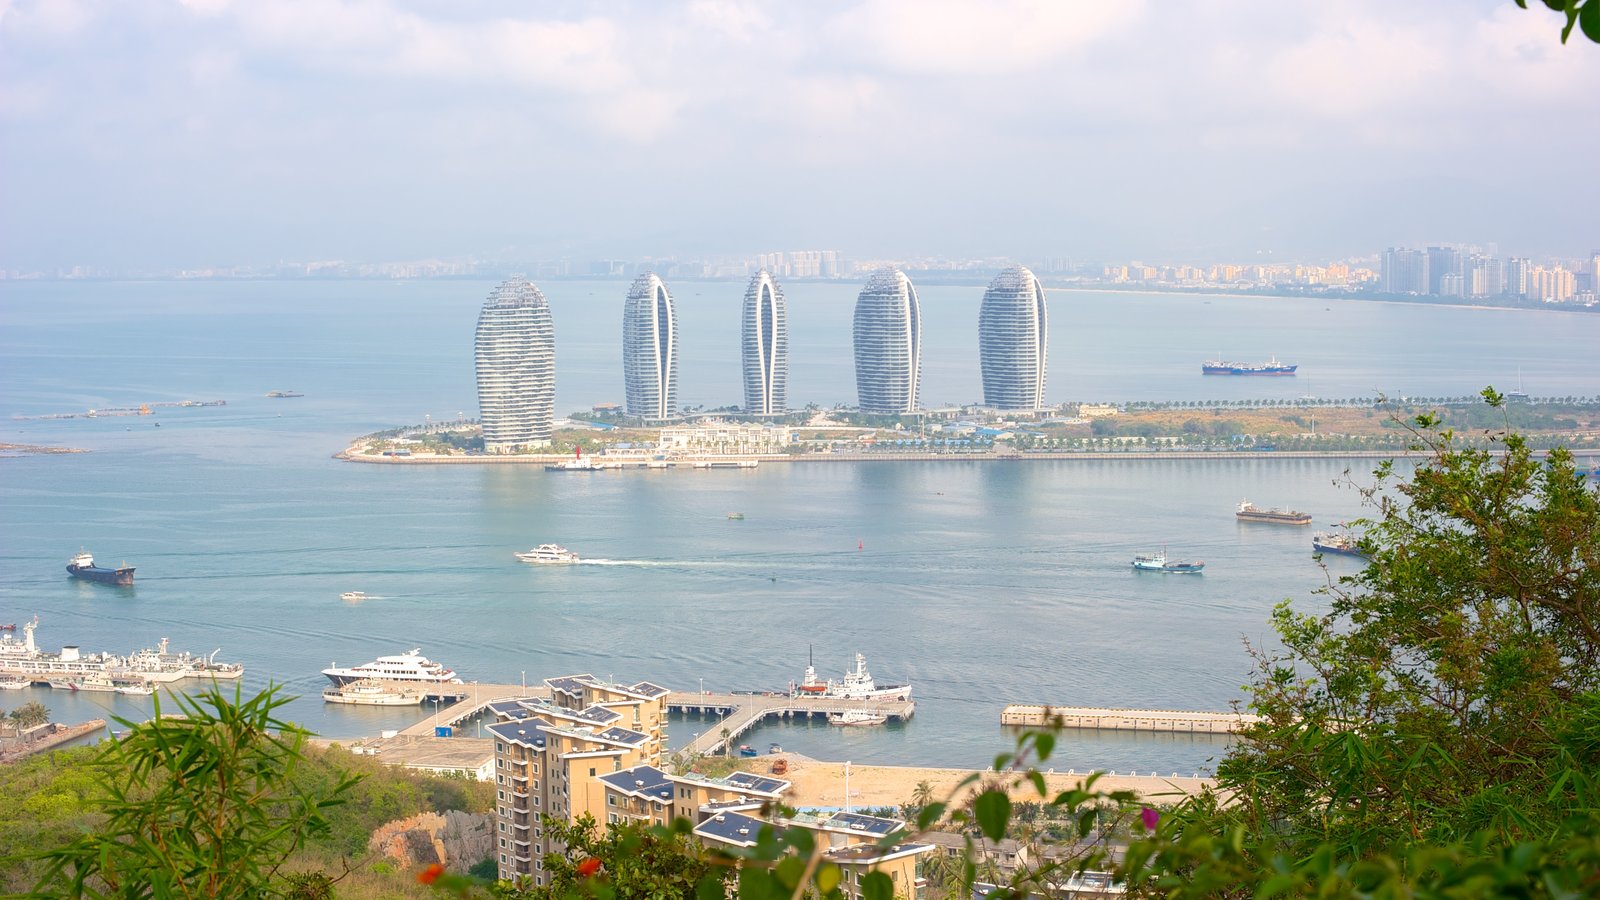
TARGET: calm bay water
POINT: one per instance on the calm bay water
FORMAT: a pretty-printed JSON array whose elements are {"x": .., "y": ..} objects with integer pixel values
[{"x": 984, "y": 583}]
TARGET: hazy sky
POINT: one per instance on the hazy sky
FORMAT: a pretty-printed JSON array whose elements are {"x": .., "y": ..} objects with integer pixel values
[{"x": 144, "y": 133}]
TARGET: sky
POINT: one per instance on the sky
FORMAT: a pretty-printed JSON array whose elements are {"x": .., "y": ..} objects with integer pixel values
[{"x": 183, "y": 133}]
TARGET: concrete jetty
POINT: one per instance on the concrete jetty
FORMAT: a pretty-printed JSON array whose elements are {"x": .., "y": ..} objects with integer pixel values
[
  {"x": 468, "y": 700},
  {"x": 1173, "y": 720},
  {"x": 738, "y": 713}
]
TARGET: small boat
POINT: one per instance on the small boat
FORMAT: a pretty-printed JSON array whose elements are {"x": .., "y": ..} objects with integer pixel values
[
  {"x": 352, "y": 596},
  {"x": 1343, "y": 544},
  {"x": 857, "y": 717},
  {"x": 736, "y": 516},
  {"x": 284, "y": 395},
  {"x": 368, "y": 693},
  {"x": 775, "y": 749},
  {"x": 1158, "y": 562},
  {"x": 576, "y": 464},
  {"x": 10, "y": 627},
  {"x": 1249, "y": 512},
  {"x": 13, "y": 683},
  {"x": 134, "y": 688},
  {"x": 746, "y": 750},
  {"x": 548, "y": 554}
]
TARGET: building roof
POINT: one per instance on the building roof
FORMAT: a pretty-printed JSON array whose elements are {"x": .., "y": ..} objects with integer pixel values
[
  {"x": 733, "y": 828},
  {"x": 527, "y": 732},
  {"x": 740, "y": 782},
  {"x": 650, "y": 690},
  {"x": 647, "y": 782},
  {"x": 872, "y": 853},
  {"x": 853, "y": 823}
]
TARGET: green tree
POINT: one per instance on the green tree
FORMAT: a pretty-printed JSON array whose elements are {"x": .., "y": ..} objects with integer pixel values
[
  {"x": 624, "y": 861},
  {"x": 29, "y": 715},
  {"x": 1585, "y": 14},
  {"x": 202, "y": 805}
]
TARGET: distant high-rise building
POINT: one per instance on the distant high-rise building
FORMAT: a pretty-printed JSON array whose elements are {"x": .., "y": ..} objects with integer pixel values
[
  {"x": 1404, "y": 271},
  {"x": 515, "y": 353},
  {"x": 1517, "y": 269},
  {"x": 650, "y": 350},
  {"x": 888, "y": 344},
  {"x": 765, "y": 345},
  {"x": 1442, "y": 261},
  {"x": 1013, "y": 340},
  {"x": 1485, "y": 277}
]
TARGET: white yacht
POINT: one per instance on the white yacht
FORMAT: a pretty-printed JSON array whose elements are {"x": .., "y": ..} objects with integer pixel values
[
  {"x": 857, "y": 717},
  {"x": 14, "y": 683},
  {"x": 408, "y": 666},
  {"x": 352, "y": 596},
  {"x": 548, "y": 553}
]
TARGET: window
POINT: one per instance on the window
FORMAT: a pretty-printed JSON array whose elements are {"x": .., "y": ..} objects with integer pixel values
[
  {"x": 502, "y": 794},
  {"x": 503, "y": 844},
  {"x": 591, "y": 771}
]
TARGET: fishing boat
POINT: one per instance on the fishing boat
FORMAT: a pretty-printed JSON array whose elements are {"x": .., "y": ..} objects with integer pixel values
[
  {"x": 1249, "y": 512},
  {"x": 1342, "y": 544},
  {"x": 548, "y": 554},
  {"x": 857, "y": 717},
  {"x": 857, "y": 685},
  {"x": 1158, "y": 562},
  {"x": 352, "y": 596},
  {"x": 746, "y": 750}
]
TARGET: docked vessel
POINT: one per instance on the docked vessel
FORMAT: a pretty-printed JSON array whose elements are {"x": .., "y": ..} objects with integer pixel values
[
  {"x": 352, "y": 596},
  {"x": 727, "y": 463},
  {"x": 14, "y": 683},
  {"x": 857, "y": 717},
  {"x": 1158, "y": 562},
  {"x": 82, "y": 566},
  {"x": 409, "y": 666},
  {"x": 142, "y": 666},
  {"x": 1222, "y": 367},
  {"x": 549, "y": 554},
  {"x": 857, "y": 685},
  {"x": 284, "y": 394},
  {"x": 576, "y": 464},
  {"x": 1249, "y": 512},
  {"x": 1343, "y": 544},
  {"x": 372, "y": 693}
]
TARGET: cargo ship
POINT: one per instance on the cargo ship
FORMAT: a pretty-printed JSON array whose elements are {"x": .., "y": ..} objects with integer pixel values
[
  {"x": 1343, "y": 544},
  {"x": 82, "y": 566},
  {"x": 1221, "y": 367},
  {"x": 1249, "y": 512}
]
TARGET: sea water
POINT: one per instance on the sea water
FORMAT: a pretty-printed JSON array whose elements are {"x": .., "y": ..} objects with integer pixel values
[{"x": 984, "y": 583}]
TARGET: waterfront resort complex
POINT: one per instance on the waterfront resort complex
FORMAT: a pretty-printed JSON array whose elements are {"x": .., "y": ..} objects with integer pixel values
[
  {"x": 650, "y": 350},
  {"x": 765, "y": 347},
  {"x": 515, "y": 352},
  {"x": 888, "y": 344},
  {"x": 595, "y": 748},
  {"x": 1013, "y": 340}
]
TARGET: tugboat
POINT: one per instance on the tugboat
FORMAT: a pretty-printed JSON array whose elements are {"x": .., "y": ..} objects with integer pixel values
[
  {"x": 82, "y": 566},
  {"x": 1158, "y": 562}
]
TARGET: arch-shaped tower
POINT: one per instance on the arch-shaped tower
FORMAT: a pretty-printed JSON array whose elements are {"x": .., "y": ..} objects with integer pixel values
[
  {"x": 765, "y": 346},
  {"x": 1013, "y": 340},
  {"x": 888, "y": 344},
  {"x": 650, "y": 350},
  {"x": 514, "y": 349}
]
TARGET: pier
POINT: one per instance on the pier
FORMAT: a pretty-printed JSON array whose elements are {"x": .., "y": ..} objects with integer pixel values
[
  {"x": 1171, "y": 720},
  {"x": 738, "y": 713},
  {"x": 467, "y": 700}
]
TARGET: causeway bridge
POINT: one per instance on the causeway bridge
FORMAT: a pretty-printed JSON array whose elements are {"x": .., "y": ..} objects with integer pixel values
[{"x": 738, "y": 713}]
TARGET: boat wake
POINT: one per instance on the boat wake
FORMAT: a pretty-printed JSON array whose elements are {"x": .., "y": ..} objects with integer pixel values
[{"x": 678, "y": 563}]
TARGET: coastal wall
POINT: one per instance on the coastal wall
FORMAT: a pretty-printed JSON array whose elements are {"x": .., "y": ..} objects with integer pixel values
[{"x": 1040, "y": 716}]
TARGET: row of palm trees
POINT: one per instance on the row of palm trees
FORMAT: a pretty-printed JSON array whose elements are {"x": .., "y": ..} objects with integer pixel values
[{"x": 28, "y": 715}]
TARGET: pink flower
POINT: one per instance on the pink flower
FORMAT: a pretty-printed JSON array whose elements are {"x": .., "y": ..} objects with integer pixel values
[
  {"x": 1150, "y": 817},
  {"x": 588, "y": 867}
]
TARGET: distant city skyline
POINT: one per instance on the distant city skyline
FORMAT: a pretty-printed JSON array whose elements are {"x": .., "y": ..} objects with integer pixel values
[{"x": 207, "y": 133}]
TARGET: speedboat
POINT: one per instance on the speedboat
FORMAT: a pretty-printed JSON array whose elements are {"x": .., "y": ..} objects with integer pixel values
[
  {"x": 548, "y": 553},
  {"x": 352, "y": 596},
  {"x": 857, "y": 717}
]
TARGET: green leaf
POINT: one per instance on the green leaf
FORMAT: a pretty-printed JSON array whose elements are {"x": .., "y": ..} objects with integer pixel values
[
  {"x": 877, "y": 886},
  {"x": 929, "y": 815},
  {"x": 828, "y": 877},
  {"x": 1045, "y": 743},
  {"x": 994, "y": 811},
  {"x": 1589, "y": 20}
]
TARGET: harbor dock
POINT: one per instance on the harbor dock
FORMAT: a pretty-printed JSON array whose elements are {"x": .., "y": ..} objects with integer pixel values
[
  {"x": 1040, "y": 716},
  {"x": 466, "y": 701},
  {"x": 738, "y": 713}
]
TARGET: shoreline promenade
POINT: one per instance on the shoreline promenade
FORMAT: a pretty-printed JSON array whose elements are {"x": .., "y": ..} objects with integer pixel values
[{"x": 686, "y": 462}]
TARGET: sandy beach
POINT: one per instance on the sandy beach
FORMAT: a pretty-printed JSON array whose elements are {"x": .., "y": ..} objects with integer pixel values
[{"x": 821, "y": 783}]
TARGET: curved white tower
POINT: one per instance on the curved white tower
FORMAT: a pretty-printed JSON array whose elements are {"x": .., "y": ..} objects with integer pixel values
[
  {"x": 888, "y": 344},
  {"x": 1013, "y": 340},
  {"x": 650, "y": 350},
  {"x": 766, "y": 347},
  {"x": 515, "y": 353}
]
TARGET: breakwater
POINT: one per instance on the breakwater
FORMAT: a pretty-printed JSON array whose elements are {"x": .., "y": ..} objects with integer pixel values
[{"x": 1173, "y": 720}]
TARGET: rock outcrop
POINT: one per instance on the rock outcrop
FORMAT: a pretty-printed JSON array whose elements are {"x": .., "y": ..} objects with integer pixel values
[{"x": 454, "y": 839}]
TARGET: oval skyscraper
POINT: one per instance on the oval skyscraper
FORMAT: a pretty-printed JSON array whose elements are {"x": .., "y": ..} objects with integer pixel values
[
  {"x": 888, "y": 344},
  {"x": 650, "y": 350},
  {"x": 1013, "y": 340},
  {"x": 765, "y": 347},
  {"x": 515, "y": 354}
]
